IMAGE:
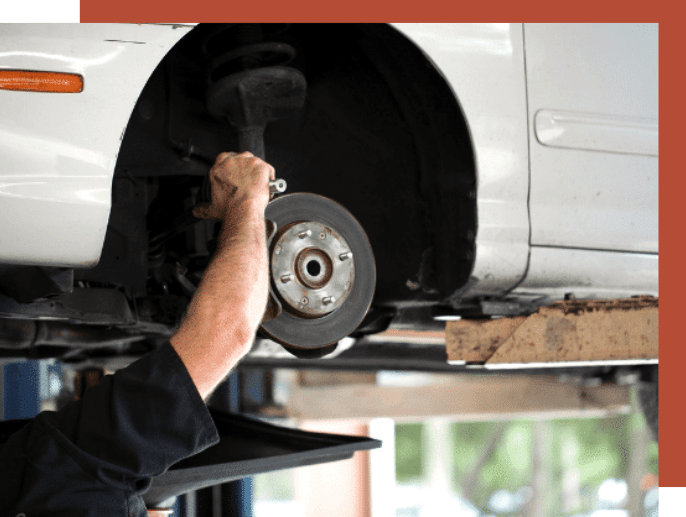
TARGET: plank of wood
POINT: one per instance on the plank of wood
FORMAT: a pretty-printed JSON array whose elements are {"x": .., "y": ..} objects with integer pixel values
[
  {"x": 475, "y": 341},
  {"x": 469, "y": 398},
  {"x": 331, "y": 378},
  {"x": 597, "y": 330}
]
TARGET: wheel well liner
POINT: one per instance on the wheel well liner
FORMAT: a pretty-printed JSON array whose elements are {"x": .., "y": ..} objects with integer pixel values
[{"x": 382, "y": 133}]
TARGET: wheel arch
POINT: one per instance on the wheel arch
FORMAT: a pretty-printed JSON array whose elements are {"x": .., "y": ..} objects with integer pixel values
[
  {"x": 444, "y": 146},
  {"x": 415, "y": 95}
]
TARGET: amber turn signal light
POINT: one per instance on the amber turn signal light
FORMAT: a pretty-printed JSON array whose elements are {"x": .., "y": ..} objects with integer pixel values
[{"x": 32, "y": 81}]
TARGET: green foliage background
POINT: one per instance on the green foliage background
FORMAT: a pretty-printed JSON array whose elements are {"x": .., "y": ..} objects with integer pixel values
[{"x": 603, "y": 446}]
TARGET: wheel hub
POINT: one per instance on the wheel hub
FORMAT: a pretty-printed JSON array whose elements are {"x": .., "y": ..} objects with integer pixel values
[
  {"x": 312, "y": 268},
  {"x": 322, "y": 273}
]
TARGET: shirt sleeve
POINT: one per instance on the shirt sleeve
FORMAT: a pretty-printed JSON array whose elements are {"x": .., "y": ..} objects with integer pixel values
[
  {"x": 133, "y": 425},
  {"x": 142, "y": 419}
]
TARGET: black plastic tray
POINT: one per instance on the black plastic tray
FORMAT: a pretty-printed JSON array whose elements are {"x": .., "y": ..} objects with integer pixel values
[{"x": 247, "y": 446}]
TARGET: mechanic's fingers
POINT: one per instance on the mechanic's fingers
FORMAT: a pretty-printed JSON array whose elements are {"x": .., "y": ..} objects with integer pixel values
[
  {"x": 223, "y": 156},
  {"x": 200, "y": 211},
  {"x": 206, "y": 211}
]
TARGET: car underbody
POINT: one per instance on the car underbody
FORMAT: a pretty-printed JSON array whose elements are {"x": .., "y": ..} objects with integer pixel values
[{"x": 380, "y": 134}]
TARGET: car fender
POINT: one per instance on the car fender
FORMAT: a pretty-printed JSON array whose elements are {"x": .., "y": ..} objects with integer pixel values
[
  {"x": 58, "y": 150},
  {"x": 484, "y": 66}
]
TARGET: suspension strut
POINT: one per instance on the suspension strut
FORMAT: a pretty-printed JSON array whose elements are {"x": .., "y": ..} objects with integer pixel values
[
  {"x": 321, "y": 263},
  {"x": 249, "y": 84}
]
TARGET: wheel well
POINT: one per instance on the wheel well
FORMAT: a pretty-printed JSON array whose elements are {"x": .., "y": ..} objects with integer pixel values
[{"x": 381, "y": 133}]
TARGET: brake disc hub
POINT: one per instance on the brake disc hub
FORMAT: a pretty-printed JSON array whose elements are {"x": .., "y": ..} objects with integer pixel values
[
  {"x": 312, "y": 268},
  {"x": 322, "y": 273}
]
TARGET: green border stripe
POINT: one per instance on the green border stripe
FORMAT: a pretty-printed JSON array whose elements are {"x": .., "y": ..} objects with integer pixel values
[
  {"x": 672, "y": 501},
  {"x": 39, "y": 10}
]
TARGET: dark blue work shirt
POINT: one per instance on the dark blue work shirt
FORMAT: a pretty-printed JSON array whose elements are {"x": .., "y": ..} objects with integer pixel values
[{"x": 96, "y": 456}]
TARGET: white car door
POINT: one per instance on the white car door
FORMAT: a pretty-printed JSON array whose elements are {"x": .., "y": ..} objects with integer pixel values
[{"x": 593, "y": 126}]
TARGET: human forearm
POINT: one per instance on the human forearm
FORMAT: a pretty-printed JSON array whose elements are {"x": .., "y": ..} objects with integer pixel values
[
  {"x": 227, "y": 308},
  {"x": 234, "y": 288},
  {"x": 223, "y": 316}
]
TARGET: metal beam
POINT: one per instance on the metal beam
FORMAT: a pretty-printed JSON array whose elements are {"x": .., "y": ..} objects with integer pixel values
[{"x": 468, "y": 398}]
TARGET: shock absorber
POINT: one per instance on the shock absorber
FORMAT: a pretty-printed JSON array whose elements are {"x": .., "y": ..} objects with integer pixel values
[{"x": 249, "y": 84}]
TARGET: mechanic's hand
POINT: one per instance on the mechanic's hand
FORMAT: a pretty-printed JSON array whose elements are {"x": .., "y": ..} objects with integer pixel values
[{"x": 237, "y": 180}]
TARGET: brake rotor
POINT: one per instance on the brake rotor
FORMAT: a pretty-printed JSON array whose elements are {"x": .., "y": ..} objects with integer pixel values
[{"x": 322, "y": 272}]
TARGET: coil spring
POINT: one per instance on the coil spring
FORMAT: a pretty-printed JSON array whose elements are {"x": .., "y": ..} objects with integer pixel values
[{"x": 241, "y": 46}]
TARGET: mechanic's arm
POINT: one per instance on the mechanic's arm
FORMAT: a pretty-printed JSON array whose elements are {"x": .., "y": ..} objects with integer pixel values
[{"x": 223, "y": 316}]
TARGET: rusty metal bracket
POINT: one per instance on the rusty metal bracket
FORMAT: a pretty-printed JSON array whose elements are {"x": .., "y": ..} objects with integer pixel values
[{"x": 567, "y": 331}]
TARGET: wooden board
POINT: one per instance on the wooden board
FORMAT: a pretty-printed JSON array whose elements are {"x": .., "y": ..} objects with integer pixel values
[
  {"x": 462, "y": 397},
  {"x": 570, "y": 331}
]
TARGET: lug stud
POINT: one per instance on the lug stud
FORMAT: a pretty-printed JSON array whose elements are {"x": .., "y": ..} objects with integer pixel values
[
  {"x": 328, "y": 300},
  {"x": 345, "y": 256},
  {"x": 286, "y": 278},
  {"x": 304, "y": 234}
]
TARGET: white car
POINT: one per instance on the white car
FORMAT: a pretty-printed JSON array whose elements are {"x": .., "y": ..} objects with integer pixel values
[{"x": 494, "y": 168}]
